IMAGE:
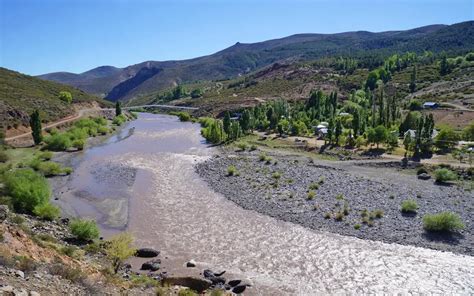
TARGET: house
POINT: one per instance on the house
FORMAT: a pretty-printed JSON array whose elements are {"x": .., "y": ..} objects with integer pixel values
[
  {"x": 413, "y": 133},
  {"x": 430, "y": 105}
]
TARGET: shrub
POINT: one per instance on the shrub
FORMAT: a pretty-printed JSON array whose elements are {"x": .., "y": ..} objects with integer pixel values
[
  {"x": 339, "y": 216},
  {"x": 327, "y": 215},
  {"x": 47, "y": 211},
  {"x": 232, "y": 171},
  {"x": 27, "y": 188},
  {"x": 313, "y": 186},
  {"x": 262, "y": 156},
  {"x": 445, "y": 221},
  {"x": 276, "y": 175},
  {"x": 187, "y": 292},
  {"x": 340, "y": 197},
  {"x": 84, "y": 229},
  {"x": 49, "y": 168},
  {"x": 58, "y": 142},
  {"x": 378, "y": 213},
  {"x": 66, "y": 272},
  {"x": 184, "y": 116},
  {"x": 311, "y": 195},
  {"x": 443, "y": 175},
  {"x": 409, "y": 206},
  {"x": 17, "y": 219},
  {"x": 118, "y": 249},
  {"x": 242, "y": 146},
  {"x": 119, "y": 120},
  {"x": 253, "y": 147},
  {"x": 103, "y": 130},
  {"x": 79, "y": 144},
  {"x": 45, "y": 155},
  {"x": 321, "y": 180},
  {"x": 3, "y": 156},
  {"x": 357, "y": 226}
]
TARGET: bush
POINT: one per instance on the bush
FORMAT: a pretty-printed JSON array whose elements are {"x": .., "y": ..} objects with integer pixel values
[
  {"x": 276, "y": 175},
  {"x": 378, "y": 213},
  {"x": 103, "y": 130},
  {"x": 232, "y": 171},
  {"x": 311, "y": 195},
  {"x": 313, "y": 186},
  {"x": 443, "y": 175},
  {"x": 58, "y": 142},
  {"x": 48, "y": 168},
  {"x": 187, "y": 292},
  {"x": 84, "y": 229},
  {"x": 357, "y": 226},
  {"x": 17, "y": 219},
  {"x": 118, "y": 249},
  {"x": 45, "y": 155},
  {"x": 339, "y": 216},
  {"x": 79, "y": 144},
  {"x": 183, "y": 116},
  {"x": 409, "y": 206},
  {"x": 445, "y": 221},
  {"x": 242, "y": 146},
  {"x": 3, "y": 156},
  {"x": 27, "y": 188},
  {"x": 119, "y": 120},
  {"x": 253, "y": 147},
  {"x": 66, "y": 272},
  {"x": 47, "y": 211}
]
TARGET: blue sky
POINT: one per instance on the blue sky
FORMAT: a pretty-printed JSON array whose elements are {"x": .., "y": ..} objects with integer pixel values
[{"x": 41, "y": 36}]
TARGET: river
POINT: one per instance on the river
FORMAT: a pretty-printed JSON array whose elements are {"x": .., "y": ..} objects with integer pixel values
[{"x": 143, "y": 181}]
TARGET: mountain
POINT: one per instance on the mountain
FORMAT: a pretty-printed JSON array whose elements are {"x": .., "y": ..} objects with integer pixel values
[
  {"x": 20, "y": 94},
  {"x": 151, "y": 76}
]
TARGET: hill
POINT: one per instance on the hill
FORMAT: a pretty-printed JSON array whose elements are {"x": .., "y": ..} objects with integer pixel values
[
  {"x": 152, "y": 76},
  {"x": 20, "y": 94}
]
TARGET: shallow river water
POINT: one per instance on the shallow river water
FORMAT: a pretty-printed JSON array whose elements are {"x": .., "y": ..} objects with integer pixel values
[{"x": 144, "y": 182}]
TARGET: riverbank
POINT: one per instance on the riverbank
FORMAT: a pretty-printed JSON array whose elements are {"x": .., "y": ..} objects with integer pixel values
[{"x": 342, "y": 198}]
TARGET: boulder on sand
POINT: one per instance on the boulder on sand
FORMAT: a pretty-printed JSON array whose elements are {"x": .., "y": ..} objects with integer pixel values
[
  {"x": 424, "y": 176},
  {"x": 152, "y": 265},
  {"x": 147, "y": 253},
  {"x": 196, "y": 284}
]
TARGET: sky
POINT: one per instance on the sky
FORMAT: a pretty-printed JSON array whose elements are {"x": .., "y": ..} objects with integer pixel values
[{"x": 42, "y": 36}]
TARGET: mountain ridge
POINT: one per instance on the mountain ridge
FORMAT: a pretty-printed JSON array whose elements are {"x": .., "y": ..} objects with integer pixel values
[{"x": 241, "y": 58}]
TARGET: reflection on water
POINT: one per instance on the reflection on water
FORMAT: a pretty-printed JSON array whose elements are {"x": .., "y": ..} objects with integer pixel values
[{"x": 148, "y": 177}]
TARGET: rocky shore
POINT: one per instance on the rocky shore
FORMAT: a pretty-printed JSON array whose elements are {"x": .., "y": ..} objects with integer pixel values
[{"x": 362, "y": 201}]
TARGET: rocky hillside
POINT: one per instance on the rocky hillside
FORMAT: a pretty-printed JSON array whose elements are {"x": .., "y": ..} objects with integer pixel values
[
  {"x": 151, "y": 76},
  {"x": 20, "y": 94}
]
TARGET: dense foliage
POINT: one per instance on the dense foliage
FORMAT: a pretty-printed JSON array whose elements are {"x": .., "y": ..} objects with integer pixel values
[{"x": 27, "y": 189}]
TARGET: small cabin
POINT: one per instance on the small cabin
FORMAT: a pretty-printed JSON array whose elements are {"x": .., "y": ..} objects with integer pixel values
[{"x": 430, "y": 105}]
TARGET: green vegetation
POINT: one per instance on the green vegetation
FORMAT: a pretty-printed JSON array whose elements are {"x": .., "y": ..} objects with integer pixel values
[
  {"x": 119, "y": 120},
  {"x": 118, "y": 109},
  {"x": 86, "y": 230},
  {"x": 232, "y": 171},
  {"x": 27, "y": 189},
  {"x": 36, "y": 129},
  {"x": 443, "y": 175},
  {"x": 445, "y": 221},
  {"x": 118, "y": 249},
  {"x": 65, "y": 96},
  {"x": 409, "y": 206},
  {"x": 311, "y": 195},
  {"x": 47, "y": 211}
]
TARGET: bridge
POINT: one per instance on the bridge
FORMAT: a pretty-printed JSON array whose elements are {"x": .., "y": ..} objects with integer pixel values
[{"x": 161, "y": 106}]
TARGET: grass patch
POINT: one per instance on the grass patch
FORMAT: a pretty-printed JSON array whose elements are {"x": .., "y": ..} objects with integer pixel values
[
  {"x": 409, "y": 206},
  {"x": 445, "y": 221}
]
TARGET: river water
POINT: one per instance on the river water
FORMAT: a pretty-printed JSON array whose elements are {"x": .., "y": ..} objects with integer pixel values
[{"x": 143, "y": 181}]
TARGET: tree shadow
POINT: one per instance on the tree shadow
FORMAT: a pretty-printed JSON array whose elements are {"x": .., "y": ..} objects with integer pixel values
[{"x": 452, "y": 238}]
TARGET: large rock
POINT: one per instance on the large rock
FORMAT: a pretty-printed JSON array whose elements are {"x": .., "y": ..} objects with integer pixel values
[
  {"x": 152, "y": 265},
  {"x": 147, "y": 253},
  {"x": 424, "y": 176},
  {"x": 3, "y": 212},
  {"x": 196, "y": 284},
  {"x": 191, "y": 263}
]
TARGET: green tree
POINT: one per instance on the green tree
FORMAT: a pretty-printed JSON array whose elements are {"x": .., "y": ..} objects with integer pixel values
[
  {"x": 197, "y": 93},
  {"x": 446, "y": 139},
  {"x": 283, "y": 127},
  {"x": 118, "y": 249},
  {"x": 407, "y": 142},
  {"x": 245, "y": 121},
  {"x": 412, "y": 85},
  {"x": 444, "y": 67},
  {"x": 356, "y": 123},
  {"x": 226, "y": 122},
  {"x": 330, "y": 131},
  {"x": 84, "y": 229},
  {"x": 35, "y": 124},
  {"x": 118, "y": 108},
  {"x": 65, "y": 96},
  {"x": 377, "y": 135},
  {"x": 338, "y": 130},
  {"x": 468, "y": 132},
  {"x": 371, "y": 82},
  {"x": 235, "y": 130}
]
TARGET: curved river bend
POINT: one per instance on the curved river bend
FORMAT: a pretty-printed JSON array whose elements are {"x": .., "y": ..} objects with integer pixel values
[{"x": 145, "y": 183}]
